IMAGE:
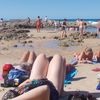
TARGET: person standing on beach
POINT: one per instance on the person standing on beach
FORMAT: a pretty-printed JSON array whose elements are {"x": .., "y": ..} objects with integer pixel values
[
  {"x": 1, "y": 21},
  {"x": 81, "y": 27},
  {"x": 46, "y": 19},
  {"x": 38, "y": 24},
  {"x": 28, "y": 21},
  {"x": 64, "y": 24},
  {"x": 98, "y": 29}
]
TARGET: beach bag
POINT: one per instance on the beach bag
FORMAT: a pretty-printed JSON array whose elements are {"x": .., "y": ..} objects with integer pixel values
[
  {"x": 6, "y": 69},
  {"x": 15, "y": 77}
]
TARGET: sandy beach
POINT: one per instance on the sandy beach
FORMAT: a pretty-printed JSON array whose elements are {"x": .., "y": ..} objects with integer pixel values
[{"x": 44, "y": 42}]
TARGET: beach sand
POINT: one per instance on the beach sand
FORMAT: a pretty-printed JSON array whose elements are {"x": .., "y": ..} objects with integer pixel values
[{"x": 85, "y": 80}]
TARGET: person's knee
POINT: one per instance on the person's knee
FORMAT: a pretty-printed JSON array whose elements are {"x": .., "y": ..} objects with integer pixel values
[
  {"x": 46, "y": 89},
  {"x": 42, "y": 56},
  {"x": 57, "y": 56},
  {"x": 45, "y": 92},
  {"x": 33, "y": 54}
]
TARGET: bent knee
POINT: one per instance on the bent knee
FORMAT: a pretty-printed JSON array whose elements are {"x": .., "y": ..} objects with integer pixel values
[
  {"x": 42, "y": 56},
  {"x": 57, "y": 56}
]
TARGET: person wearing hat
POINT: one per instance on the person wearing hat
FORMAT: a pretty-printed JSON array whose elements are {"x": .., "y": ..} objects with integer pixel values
[{"x": 24, "y": 64}]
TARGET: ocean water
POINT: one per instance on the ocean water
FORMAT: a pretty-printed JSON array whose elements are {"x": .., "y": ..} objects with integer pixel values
[
  {"x": 91, "y": 29},
  {"x": 88, "y": 20}
]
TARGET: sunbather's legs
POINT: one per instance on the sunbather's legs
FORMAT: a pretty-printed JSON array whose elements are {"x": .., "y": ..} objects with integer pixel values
[
  {"x": 39, "y": 68},
  {"x": 32, "y": 57},
  {"x": 39, "y": 93},
  {"x": 56, "y": 72},
  {"x": 24, "y": 57}
]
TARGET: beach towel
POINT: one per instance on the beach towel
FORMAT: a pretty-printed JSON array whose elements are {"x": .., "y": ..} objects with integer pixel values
[
  {"x": 69, "y": 76},
  {"x": 74, "y": 61},
  {"x": 94, "y": 60}
]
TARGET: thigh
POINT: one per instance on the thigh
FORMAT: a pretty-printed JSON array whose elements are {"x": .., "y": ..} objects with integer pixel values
[
  {"x": 39, "y": 68},
  {"x": 24, "y": 57},
  {"x": 56, "y": 72},
  {"x": 39, "y": 93},
  {"x": 32, "y": 57}
]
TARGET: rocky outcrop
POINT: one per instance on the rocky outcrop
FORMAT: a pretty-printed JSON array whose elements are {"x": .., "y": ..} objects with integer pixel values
[{"x": 13, "y": 34}]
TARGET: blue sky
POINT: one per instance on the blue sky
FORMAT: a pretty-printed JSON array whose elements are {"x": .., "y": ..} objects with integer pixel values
[{"x": 51, "y": 8}]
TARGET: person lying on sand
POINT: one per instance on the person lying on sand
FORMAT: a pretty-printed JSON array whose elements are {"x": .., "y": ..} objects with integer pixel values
[
  {"x": 85, "y": 56},
  {"x": 45, "y": 82},
  {"x": 24, "y": 64}
]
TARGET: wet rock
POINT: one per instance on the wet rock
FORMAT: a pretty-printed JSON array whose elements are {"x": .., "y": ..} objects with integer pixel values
[
  {"x": 24, "y": 42},
  {"x": 15, "y": 45},
  {"x": 56, "y": 37},
  {"x": 30, "y": 41},
  {"x": 64, "y": 44},
  {"x": 5, "y": 48},
  {"x": 44, "y": 37}
]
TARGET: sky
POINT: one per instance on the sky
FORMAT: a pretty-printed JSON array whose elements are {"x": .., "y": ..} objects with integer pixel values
[{"x": 53, "y": 9}]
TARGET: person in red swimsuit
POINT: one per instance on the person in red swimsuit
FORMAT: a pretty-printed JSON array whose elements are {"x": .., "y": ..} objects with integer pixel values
[{"x": 38, "y": 24}]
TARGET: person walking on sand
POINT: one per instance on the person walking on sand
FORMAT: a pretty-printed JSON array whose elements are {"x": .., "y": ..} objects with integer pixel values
[{"x": 38, "y": 24}]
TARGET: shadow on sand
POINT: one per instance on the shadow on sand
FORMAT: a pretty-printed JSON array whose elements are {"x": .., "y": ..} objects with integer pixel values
[{"x": 66, "y": 94}]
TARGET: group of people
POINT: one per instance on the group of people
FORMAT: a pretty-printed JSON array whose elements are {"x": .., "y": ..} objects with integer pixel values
[
  {"x": 50, "y": 71},
  {"x": 42, "y": 68},
  {"x": 80, "y": 26}
]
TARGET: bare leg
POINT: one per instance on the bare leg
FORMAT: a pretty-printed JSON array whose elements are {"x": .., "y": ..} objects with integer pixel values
[
  {"x": 40, "y": 67},
  {"x": 39, "y": 93},
  {"x": 56, "y": 72},
  {"x": 32, "y": 57},
  {"x": 24, "y": 57}
]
